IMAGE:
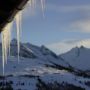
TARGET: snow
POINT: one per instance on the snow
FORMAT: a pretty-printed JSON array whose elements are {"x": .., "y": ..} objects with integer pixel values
[
  {"x": 44, "y": 53},
  {"x": 33, "y": 66},
  {"x": 23, "y": 83},
  {"x": 64, "y": 77},
  {"x": 36, "y": 67},
  {"x": 79, "y": 58},
  {"x": 28, "y": 66}
]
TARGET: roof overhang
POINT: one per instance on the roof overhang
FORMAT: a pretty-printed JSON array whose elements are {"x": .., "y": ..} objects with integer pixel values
[{"x": 8, "y": 10}]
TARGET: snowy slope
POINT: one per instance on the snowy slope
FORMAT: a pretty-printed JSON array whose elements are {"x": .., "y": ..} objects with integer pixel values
[
  {"x": 38, "y": 69},
  {"x": 46, "y": 54},
  {"x": 35, "y": 54},
  {"x": 33, "y": 74},
  {"x": 28, "y": 50},
  {"x": 78, "y": 58}
]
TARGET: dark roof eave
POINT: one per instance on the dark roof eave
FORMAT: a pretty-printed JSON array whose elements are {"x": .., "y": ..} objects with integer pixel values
[{"x": 7, "y": 14}]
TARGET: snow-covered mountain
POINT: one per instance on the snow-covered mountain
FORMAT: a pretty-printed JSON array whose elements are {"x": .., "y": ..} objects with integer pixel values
[
  {"x": 30, "y": 51},
  {"x": 79, "y": 58},
  {"x": 39, "y": 69}
]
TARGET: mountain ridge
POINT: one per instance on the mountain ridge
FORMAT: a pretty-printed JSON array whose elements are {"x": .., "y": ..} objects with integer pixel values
[{"x": 78, "y": 57}]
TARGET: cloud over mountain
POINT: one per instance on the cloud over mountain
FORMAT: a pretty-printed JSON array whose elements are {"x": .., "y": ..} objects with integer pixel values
[{"x": 66, "y": 45}]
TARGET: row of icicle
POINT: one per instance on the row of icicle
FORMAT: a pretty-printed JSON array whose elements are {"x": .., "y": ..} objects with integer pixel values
[{"x": 7, "y": 32}]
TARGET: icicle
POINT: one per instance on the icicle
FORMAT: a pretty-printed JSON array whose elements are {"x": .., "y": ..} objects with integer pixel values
[
  {"x": 43, "y": 6},
  {"x": 6, "y": 33},
  {"x": 3, "y": 58},
  {"x": 5, "y": 43},
  {"x": 31, "y": 6},
  {"x": 18, "y": 25},
  {"x": 9, "y": 41}
]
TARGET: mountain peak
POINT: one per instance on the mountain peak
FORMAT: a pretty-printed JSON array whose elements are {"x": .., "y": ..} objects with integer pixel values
[
  {"x": 78, "y": 57},
  {"x": 75, "y": 49},
  {"x": 82, "y": 47}
]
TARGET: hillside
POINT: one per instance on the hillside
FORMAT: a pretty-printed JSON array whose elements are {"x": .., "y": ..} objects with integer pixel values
[{"x": 39, "y": 69}]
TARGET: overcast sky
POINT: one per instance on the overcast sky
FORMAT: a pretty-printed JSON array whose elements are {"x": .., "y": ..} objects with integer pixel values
[{"x": 66, "y": 24}]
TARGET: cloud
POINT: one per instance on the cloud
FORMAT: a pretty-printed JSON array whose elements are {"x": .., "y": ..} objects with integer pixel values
[
  {"x": 80, "y": 26},
  {"x": 60, "y": 8},
  {"x": 80, "y": 16},
  {"x": 66, "y": 45}
]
